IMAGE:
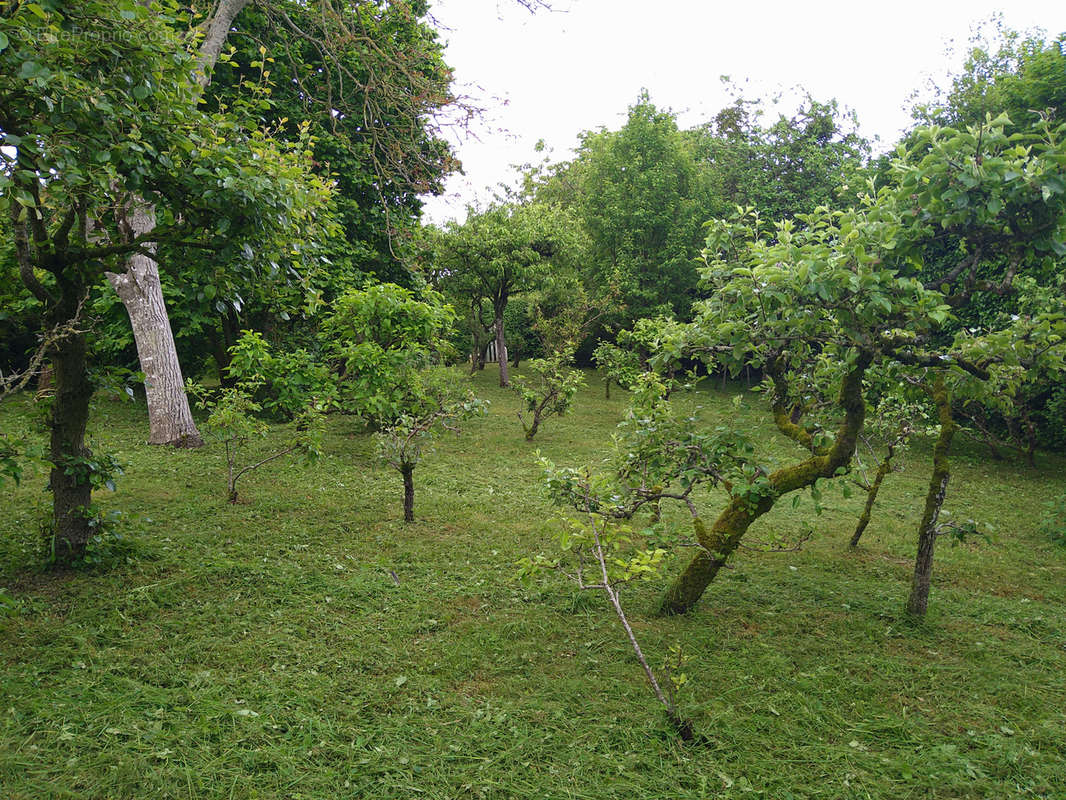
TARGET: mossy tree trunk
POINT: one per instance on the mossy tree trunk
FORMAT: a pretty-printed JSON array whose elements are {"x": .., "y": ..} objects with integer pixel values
[
  {"x": 918, "y": 602},
  {"x": 727, "y": 531},
  {"x": 67, "y": 350},
  {"x": 534, "y": 426},
  {"x": 871, "y": 495}
]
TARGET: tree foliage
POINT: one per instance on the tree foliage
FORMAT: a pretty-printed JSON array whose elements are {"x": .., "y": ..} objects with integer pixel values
[{"x": 98, "y": 116}]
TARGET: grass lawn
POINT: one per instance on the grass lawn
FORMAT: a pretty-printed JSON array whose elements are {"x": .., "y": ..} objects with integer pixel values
[{"x": 306, "y": 643}]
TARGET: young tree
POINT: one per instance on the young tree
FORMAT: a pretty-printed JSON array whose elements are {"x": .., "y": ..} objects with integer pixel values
[
  {"x": 233, "y": 420},
  {"x": 438, "y": 406},
  {"x": 619, "y": 365},
  {"x": 547, "y": 388},
  {"x": 381, "y": 338}
]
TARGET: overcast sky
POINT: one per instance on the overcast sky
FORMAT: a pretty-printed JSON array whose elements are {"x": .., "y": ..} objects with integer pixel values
[{"x": 554, "y": 74}]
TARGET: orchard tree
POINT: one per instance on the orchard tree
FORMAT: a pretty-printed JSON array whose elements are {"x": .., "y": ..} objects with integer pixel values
[
  {"x": 640, "y": 197},
  {"x": 1024, "y": 76},
  {"x": 619, "y": 366},
  {"x": 98, "y": 125},
  {"x": 504, "y": 251},
  {"x": 437, "y": 404},
  {"x": 381, "y": 338},
  {"x": 547, "y": 389},
  {"x": 844, "y": 290},
  {"x": 233, "y": 421}
]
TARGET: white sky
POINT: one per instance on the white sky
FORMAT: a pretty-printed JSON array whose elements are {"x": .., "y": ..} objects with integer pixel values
[{"x": 554, "y": 74}]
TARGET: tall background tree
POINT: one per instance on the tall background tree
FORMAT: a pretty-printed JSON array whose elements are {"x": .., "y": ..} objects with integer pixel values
[
  {"x": 369, "y": 79},
  {"x": 497, "y": 254}
]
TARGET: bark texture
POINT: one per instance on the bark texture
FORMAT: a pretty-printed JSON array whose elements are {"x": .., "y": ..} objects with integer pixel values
[
  {"x": 719, "y": 541},
  {"x": 408, "y": 493},
  {"x": 71, "y": 388},
  {"x": 215, "y": 30},
  {"x": 169, "y": 416},
  {"x": 69, "y": 479},
  {"x": 918, "y": 603}
]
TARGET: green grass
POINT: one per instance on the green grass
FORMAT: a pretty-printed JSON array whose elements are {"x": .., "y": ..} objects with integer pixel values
[{"x": 264, "y": 650}]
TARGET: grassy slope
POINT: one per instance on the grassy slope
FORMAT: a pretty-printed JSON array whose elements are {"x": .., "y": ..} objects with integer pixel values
[{"x": 264, "y": 650}]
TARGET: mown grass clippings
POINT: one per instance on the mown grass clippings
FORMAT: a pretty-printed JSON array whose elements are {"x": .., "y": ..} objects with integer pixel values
[{"x": 309, "y": 644}]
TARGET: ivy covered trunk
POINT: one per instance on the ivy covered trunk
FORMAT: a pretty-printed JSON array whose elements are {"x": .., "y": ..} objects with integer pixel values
[
  {"x": 918, "y": 602},
  {"x": 69, "y": 479},
  {"x": 501, "y": 352},
  {"x": 169, "y": 416},
  {"x": 871, "y": 496},
  {"x": 408, "y": 472},
  {"x": 725, "y": 535}
]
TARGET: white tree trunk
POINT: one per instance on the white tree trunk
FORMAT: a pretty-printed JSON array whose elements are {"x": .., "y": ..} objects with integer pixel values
[
  {"x": 501, "y": 353},
  {"x": 169, "y": 417}
]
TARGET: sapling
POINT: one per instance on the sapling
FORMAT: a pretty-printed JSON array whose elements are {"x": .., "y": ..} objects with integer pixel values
[
  {"x": 599, "y": 555},
  {"x": 620, "y": 366},
  {"x": 550, "y": 389},
  {"x": 232, "y": 420},
  {"x": 406, "y": 441}
]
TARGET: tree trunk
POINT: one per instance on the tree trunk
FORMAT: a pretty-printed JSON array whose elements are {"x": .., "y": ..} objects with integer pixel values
[
  {"x": 408, "y": 472},
  {"x": 531, "y": 431},
  {"x": 69, "y": 480},
  {"x": 169, "y": 417},
  {"x": 501, "y": 352},
  {"x": 607, "y": 389},
  {"x": 871, "y": 496},
  {"x": 478, "y": 342},
  {"x": 1030, "y": 438},
  {"x": 45, "y": 382},
  {"x": 934, "y": 501},
  {"x": 717, "y": 544}
]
